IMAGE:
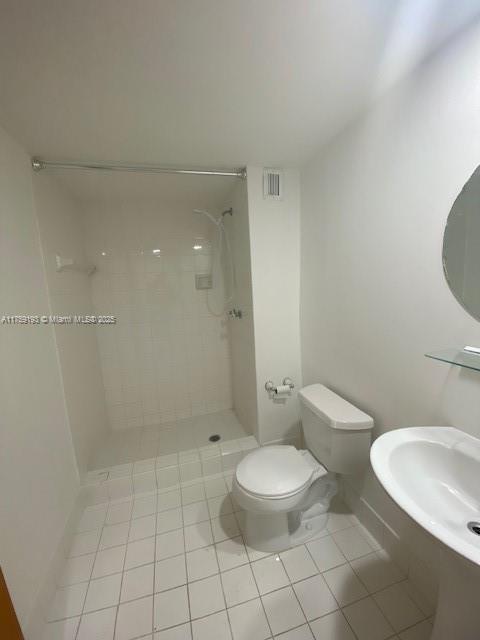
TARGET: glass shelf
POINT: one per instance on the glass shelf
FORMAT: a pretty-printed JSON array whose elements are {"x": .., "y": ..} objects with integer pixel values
[{"x": 457, "y": 356}]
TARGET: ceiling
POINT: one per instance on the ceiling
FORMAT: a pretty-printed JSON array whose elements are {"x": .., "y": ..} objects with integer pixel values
[{"x": 204, "y": 82}]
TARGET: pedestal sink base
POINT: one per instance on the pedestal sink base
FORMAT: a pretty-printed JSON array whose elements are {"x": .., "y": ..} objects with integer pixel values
[{"x": 458, "y": 608}]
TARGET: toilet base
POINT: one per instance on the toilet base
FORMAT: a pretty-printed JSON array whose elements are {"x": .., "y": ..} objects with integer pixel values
[
  {"x": 274, "y": 532},
  {"x": 308, "y": 529}
]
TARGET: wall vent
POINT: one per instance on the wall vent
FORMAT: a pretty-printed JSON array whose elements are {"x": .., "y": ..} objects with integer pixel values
[{"x": 273, "y": 184}]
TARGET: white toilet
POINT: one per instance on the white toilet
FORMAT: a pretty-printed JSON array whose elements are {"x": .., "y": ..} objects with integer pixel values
[{"x": 285, "y": 492}]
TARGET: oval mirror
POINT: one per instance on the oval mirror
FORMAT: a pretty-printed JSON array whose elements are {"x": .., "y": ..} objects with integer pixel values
[{"x": 461, "y": 247}]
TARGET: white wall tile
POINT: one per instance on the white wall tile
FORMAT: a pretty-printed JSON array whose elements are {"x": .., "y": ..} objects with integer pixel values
[{"x": 163, "y": 359}]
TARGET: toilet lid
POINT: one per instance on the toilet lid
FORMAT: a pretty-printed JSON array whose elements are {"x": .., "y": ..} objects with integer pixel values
[{"x": 274, "y": 471}]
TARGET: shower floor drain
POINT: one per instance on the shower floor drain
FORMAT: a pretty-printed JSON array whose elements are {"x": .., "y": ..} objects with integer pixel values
[
  {"x": 474, "y": 527},
  {"x": 216, "y": 438}
]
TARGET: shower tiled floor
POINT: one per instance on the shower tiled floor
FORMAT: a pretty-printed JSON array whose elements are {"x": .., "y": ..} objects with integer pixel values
[
  {"x": 152, "y": 441},
  {"x": 174, "y": 566}
]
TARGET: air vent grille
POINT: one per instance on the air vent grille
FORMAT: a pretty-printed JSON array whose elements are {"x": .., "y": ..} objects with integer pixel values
[{"x": 272, "y": 184}]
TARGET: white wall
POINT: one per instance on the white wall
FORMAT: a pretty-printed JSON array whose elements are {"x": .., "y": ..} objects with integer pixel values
[
  {"x": 167, "y": 357},
  {"x": 38, "y": 474},
  {"x": 242, "y": 340},
  {"x": 374, "y": 298},
  {"x": 61, "y": 232},
  {"x": 275, "y": 261}
]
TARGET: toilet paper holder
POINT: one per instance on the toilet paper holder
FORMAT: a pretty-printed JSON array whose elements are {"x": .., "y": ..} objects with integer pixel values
[{"x": 287, "y": 385}]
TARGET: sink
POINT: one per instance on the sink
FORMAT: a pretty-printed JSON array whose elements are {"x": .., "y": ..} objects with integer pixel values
[{"x": 433, "y": 474}]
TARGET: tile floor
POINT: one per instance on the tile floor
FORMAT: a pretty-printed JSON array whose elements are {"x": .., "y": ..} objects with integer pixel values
[
  {"x": 146, "y": 442},
  {"x": 175, "y": 566}
]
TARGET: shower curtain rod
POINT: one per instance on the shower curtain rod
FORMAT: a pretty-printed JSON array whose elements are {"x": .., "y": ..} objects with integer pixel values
[{"x": 38, "y": 164}]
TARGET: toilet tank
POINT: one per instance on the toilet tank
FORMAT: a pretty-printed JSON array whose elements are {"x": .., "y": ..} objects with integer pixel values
[{"x": 335, "y": 431}]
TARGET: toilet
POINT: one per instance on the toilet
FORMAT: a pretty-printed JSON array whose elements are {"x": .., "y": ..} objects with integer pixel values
[{"x": 286, "y": 492}]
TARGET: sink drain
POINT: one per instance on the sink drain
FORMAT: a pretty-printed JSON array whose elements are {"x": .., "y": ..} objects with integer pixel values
[
  {"x": 216, "y": 438},
  {"x": 474, "y": 527}
]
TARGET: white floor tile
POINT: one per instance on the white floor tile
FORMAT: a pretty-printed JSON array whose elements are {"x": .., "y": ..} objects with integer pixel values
[
  {"x": 339, "y": 521},
  {"x": 169, "y": 544},
  {"x": 352, "y": 543},
  {"x": 215, "y": 487},
  {"x": 367, "y": 621},
  {"x": 198, "y": 535},
  {"x": 144, "y": 506},
  {"x": 182, "y": 632},
  {"x": 422, "y": 631},
  {"x": 142, "y": 466},
  {"x": 376, "y": 571},
  {"x": 202, "y": 563},
  {"x": 92, "y": 518},
  {"x": 225, "y": 527},
  {"x": 332, "y": 627},
  {"x": 84, "y": 543},
  {"x": 220, "y": 506},
  {"x": 193, "y": 493},
  {"x": 325, "y": 553},
  {"x": 140, "y": 552},
  {"x": 119, "y": 512},
  {"x": 170, "y": 608},
  {"x": 231, "y": 553},
  {"x": 398, "y": 607},
  {"x": 239, "y": 585},
  {"x": 169, "y": 520},
  {"x": 114, "y": 535},
  {"x": 300, "y": 633},
  {"x": 169, "y": 500},
  {"x": 137, "y": 583},
  {"x": 254, "y": 554},
  {"x": 76, "y": 570},
  {"x": 315, "y": 597},
  {"x": 170, "y": 573},
  {"x": 298, "y": 563},
  {"x": 62, "y": 630},
  {"x": 206, "y": 597},
  {"x": 269, "y": 574},
  {"x": 142, "y": 528},
  {"x": 134, "y": 619},
  {"x": 195, "y": 512},
  {"x": 167, "y": 461},
  {"x": 344, "y": 585},
  {"x": 248, "y": 621},
  {"x": 373, "y": 542},
  {"x": 103, "y": 592},
  {"x": 214, "y": 627},
  {"x": 109, "y": 561},
  {"x": 168, "y": 478},
  {"x": 283, "y": 611},
  {"x": 99, "y": 625},
  {"x": 68, "y": 602}
]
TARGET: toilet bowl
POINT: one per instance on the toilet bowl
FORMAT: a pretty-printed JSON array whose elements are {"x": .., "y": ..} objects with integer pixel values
[
  {"x": 289, "y": 493},
  {"x": 286, "y": 492}
]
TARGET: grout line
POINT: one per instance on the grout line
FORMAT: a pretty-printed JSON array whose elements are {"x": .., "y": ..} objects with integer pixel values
[
  {"x": 121, "y": 581},
  {"x": 90, "y": 579}
]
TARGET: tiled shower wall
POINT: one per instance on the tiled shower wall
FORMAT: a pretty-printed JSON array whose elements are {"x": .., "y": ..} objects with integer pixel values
[{"x": 167, "y": 357}]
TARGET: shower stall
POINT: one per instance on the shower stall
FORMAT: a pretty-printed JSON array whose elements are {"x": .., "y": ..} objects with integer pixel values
[{"x": 161, "y": 262}]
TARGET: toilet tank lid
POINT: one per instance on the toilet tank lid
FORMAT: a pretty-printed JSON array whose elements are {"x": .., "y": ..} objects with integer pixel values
[{"x": 333, "y": 409}]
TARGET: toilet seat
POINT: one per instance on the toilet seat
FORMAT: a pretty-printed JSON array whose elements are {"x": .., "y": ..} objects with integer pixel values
[{"x": 274, "y": 472}]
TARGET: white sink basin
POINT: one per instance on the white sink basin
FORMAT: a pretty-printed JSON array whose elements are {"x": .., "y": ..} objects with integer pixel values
[{"x": 433, "y": 473}]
